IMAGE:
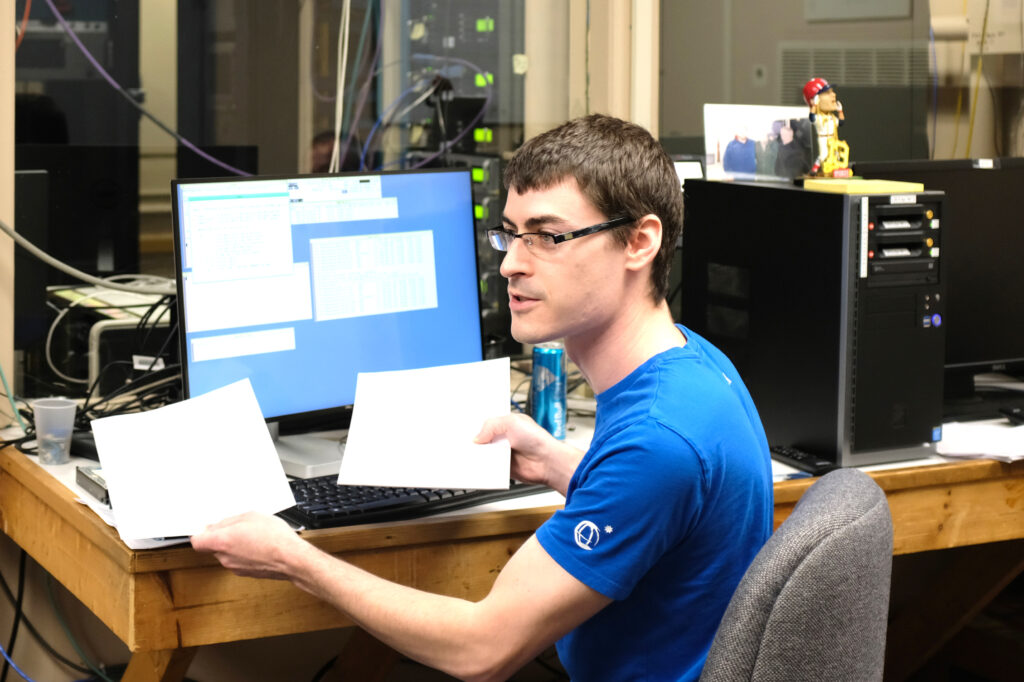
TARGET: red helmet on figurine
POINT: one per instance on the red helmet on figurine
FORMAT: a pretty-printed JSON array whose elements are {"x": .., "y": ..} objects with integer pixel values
[{"x": 813, "y": 88}]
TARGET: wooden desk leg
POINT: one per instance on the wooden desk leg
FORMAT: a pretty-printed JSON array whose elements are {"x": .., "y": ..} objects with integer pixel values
[
  {"x": 167, "y": 665},
  {"x": 947, "y": 601},
  {"x": 363, "y": 658}
]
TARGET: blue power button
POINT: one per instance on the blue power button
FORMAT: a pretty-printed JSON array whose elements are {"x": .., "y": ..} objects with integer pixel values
[{"x": 936, "y": 320}]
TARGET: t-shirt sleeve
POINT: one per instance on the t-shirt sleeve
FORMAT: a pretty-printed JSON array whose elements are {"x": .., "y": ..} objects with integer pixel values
[{"x": 637, "y": 496}]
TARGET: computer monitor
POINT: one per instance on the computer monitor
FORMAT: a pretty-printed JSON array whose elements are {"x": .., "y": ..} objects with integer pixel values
[
  {"x": 93, "y": 206},
  {"x": 300, "y": 283},
  {"x": 688, "y": 166},
  {"x": 981, "y": 248}
]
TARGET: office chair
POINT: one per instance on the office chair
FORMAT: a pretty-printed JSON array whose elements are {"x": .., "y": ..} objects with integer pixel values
[{"x": 814, "y": 603}]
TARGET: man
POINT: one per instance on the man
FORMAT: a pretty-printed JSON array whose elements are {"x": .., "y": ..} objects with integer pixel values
[{"x": 667, "y": 508}]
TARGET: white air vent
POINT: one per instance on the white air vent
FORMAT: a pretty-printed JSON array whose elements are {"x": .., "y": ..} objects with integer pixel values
[{"x": 899, "y": 64}]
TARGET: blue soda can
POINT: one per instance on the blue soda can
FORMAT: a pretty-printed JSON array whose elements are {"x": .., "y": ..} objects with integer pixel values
[{"x": 547, "y": 388}]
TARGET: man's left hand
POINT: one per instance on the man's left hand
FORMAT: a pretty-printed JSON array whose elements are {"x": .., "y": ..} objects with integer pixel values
[{"x": 251, "y": 545}]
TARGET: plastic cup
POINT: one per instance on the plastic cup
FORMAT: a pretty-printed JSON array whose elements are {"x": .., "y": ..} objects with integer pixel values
[{"x": 55, "y": 422}]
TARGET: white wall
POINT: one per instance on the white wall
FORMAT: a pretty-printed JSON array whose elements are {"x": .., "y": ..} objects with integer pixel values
[{"x": 711, "y": 52}]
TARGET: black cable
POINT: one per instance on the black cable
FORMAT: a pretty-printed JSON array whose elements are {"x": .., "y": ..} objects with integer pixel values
[
  {"x": 99, "y": 377},
  {"x": 172, "y": 334},
  {"x": 158, "y": 396},
  {"x": 319, "y": 674},
  {"x": 162, "y": 305},
  {"x": 132, "y": 384},
  {"x": 38, "y": 637},
  {"x": 18, "y": 604},
  {"x": 15, "y": 441},
  {"x": 158, "y": 375},
  {"x": 443, "y": 129}
]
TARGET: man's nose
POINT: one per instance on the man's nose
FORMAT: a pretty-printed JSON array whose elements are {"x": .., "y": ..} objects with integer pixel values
[{"x": 516, "y": 259}]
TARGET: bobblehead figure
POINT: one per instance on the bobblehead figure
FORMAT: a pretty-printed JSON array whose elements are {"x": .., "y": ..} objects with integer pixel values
[{"x": 833, "y": 158}]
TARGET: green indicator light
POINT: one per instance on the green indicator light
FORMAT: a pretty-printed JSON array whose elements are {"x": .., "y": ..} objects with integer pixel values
[
  {"x": 480, "y": 81},
  {"x": 483, "y": 135},
  {"x": 490, "y": 77},
  {"x": 478, "y": 175},
  {"x": 485, "y": 25},
  {"x": 479, "y": 212}
]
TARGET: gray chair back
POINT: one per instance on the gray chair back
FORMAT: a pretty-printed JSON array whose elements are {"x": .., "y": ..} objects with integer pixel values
[{"x": 814, "y": 603}]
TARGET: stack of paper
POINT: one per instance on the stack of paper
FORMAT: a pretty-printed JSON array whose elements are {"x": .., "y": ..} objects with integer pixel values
[{"x": 995, "y": 439}]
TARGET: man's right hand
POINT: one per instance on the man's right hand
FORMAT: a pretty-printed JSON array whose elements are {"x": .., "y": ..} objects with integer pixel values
[{"x": 537, "y": 457}]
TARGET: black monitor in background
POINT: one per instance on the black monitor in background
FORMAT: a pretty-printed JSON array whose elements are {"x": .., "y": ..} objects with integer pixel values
[
  {"x": 300, "y": 283},
  {"x": 93, "y": 205},
  {"x": 981, "y": 246},
  {"x": 192, "y": 165},
  {"x": 31, "y": 317}
]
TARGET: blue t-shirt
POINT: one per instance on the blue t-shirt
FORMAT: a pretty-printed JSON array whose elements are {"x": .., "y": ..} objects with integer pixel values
[{"x": 664, "y": 514}]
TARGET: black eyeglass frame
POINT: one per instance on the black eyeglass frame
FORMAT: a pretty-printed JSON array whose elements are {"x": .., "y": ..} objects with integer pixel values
[{"x": 493, "y": 232}]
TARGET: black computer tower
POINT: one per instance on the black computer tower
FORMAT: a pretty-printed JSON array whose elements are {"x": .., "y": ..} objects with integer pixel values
[{"x": 830, "y": 305}]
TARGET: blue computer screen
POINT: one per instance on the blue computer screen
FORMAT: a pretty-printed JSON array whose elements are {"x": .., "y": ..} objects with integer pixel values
[{"x": 301, "y": 283}]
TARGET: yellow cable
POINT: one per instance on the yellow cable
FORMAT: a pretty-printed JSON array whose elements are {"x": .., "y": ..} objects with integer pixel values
[
  {"x": 959, "y": 93},
  {"x": 977, "y": 82}
]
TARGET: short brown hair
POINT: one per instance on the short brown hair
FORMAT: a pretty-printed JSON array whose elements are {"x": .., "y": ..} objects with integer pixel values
[{"x": 619, "y": 167}]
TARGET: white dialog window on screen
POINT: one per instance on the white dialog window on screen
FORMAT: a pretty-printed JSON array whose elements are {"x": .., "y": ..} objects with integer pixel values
[
  {"x": 373, "y": 274},
  {"x": 237, "y": 237}
]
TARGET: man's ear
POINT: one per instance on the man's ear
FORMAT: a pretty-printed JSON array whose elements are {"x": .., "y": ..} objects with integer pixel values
[{"x": 644, "y": 242}]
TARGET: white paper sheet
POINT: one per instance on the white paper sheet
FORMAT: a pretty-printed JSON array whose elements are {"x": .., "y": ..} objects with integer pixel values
[
  {"x": 988, "y": 439},
  {"x": 415, "y": 428},
  {"x": 175, "y": 470}
]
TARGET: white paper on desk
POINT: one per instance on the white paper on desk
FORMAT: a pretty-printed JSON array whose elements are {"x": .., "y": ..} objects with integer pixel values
[
  {"x": 174, "y": 470},
  {"x": 415, "y": 428},
  {"x": 991, "y": 439}
]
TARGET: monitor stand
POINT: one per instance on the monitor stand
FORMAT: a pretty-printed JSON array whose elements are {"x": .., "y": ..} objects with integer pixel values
[{"x": 309, "y": 455}]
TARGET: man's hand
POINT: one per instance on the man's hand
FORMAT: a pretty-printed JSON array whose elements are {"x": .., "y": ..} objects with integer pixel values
[
  {"x": 537, "y": 457},
  {"x": 252, "y": 544}
]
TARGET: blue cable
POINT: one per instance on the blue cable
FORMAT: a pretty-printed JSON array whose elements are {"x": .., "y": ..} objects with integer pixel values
[
  {"x": 10, "y": 397},
  {"x": 130, "y": 99},
  {"x": 380, "y": 120},
  {"x": 14, "y": 665}
]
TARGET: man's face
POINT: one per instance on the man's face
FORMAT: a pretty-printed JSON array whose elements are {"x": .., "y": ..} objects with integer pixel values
[
  {"x": 827, "y": 101},
  {"x": 572, "y": 290},
  {"x": 786, "y": 134}
]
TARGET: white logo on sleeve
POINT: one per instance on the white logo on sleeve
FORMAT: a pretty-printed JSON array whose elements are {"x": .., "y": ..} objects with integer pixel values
[{"x": 587, "y": 535}]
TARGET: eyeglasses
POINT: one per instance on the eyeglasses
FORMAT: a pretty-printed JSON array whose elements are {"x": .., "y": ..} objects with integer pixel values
[{"x": 501, "y": 239}]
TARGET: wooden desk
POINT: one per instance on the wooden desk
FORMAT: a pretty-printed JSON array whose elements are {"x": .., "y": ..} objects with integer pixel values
[{"x": 165, "y": 603}]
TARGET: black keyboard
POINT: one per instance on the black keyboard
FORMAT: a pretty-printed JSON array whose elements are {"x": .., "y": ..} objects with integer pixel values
[{"x": 322, "y": 503}]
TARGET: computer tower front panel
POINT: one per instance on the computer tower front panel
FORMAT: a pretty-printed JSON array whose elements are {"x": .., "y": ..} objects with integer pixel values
[{"x": 899, "y": 340}]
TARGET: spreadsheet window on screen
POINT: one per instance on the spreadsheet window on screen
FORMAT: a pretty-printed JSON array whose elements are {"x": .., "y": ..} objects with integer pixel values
[{"x": 300, "y": 283}]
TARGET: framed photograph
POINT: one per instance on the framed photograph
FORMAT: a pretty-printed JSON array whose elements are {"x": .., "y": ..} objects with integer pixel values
[{"x": 757, "y": 142}]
